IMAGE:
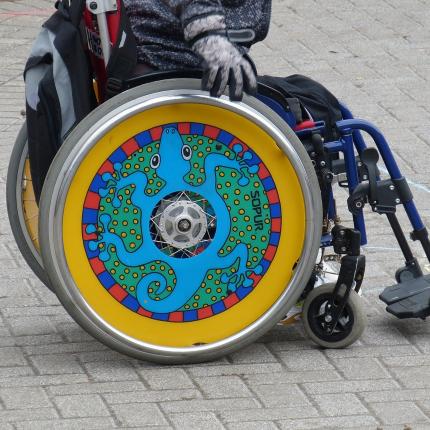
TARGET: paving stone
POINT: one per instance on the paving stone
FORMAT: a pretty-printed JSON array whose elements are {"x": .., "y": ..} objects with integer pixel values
[
  {"x": 340, "y": 404},
  {"x": 312, "y": 360},
  {"x": 24, "y": 398},
  {"x": 255, "y": 353},
  {"x": 31, "y": 415},
  {"x": 215, "y": 405},
  {"x": 235, "y": 369},
  {"x": 167, "y": 378},
  {"x": 198, "y": 421},
  {"x": 54, "y": 364},
  {"x": 68, "y": 424},
  {"x": 250, "y": 425},
  {"x": 44, "y": 380},
  {"x": 81, "y": 406},
  {"x": 111, "y": 371},
  {"x": 398, "y": 412},
  {"x": 11, "y": 357},
  {"x": 413, "y": 377},
  {"x": 361, "y": 368},
  {"x": 13, "y": 372},
  {"x": 29, "y": 326},
  {"x": 359, "y": 386},
  {"x": 223, "y": 386},
  {"x": 278, "y": 395},
  {"x": 139, "y": 415},
  {"x": 268, "y": 414},
  {"x": 292, "y": 377},
  {"x": 396, "y": 395},
  {"x": 151, "y": 396},
  {"x": 87, "y": 387},
  {"x": 358, "y": 421}
]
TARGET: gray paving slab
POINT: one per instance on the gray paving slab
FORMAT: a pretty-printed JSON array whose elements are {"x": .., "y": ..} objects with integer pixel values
[{"x": 375, "y": 55}]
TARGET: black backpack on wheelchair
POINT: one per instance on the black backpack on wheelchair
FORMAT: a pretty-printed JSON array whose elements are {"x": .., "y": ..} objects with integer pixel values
[{"x": 59, "y": 83}]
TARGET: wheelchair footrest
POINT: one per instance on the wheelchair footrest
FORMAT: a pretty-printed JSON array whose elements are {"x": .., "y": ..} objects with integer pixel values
[{"x": 410, "y": 299}]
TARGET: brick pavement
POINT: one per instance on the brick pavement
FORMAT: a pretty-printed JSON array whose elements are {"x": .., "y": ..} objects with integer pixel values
[{"x": 375, "y": 55}]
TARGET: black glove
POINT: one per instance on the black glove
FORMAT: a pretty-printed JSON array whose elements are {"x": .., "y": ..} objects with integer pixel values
[{"x": 225, "y": 65}]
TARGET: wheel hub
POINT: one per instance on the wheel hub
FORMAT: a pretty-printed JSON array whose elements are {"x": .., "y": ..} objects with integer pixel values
[
  {"x": 184, "y": 225},
  {"x": 183, "y": 222}
]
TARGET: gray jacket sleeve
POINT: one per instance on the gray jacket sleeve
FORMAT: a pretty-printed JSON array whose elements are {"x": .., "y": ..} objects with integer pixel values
[{"x": 198, "y": 16}]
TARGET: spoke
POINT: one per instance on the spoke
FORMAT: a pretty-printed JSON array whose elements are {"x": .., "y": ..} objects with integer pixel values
[
  {"x": 321, "y": 318},
  {"x": 212, "y": 217},
  {"x": 31, "y": 217},
  {"x": 186, "y": 251},
  {"x": 200, "y": 200},
  {"x": 188, "y": 197},
  {"x": 342, "y": 324},
  {"x": 161, "y": 242},
  {"x": 153, "y": 222},
  {"x": 155, "y": 216},
  {"x": 174, "y": 253},
  {"x": 180, "y": 196}
]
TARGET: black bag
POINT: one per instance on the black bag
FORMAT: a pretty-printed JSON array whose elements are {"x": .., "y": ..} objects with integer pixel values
[
  {"x": 59, "y": 83},
  {"x": 59, "y": 90},
  {"x": 314, "y": 98}
]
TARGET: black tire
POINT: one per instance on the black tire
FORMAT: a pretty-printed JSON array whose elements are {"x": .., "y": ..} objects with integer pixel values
[
  {"x": 354, "y": 318},
  {"x": 15, "y": 208}
]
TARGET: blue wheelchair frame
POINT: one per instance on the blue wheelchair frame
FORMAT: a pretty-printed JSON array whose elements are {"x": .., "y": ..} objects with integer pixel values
[
  {"x": 351, "y": 140},
  {"x": 411, "y": 296}
]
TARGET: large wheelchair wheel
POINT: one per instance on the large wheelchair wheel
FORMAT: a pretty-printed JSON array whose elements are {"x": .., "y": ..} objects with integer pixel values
[
  {"x": 176, "y": 227},
  {"x": 22, "y": 208}
]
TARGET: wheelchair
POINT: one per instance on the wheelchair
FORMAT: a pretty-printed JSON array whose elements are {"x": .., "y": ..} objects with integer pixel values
[{"x": 177, "y": 228}]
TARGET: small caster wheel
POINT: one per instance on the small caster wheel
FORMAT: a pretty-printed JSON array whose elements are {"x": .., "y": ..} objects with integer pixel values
[{"x": 349, "y": 328}]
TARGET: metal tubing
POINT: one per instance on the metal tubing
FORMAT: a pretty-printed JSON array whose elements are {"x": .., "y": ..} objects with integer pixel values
[
  {"x": 348, "y": 126},
  {"x": 104, "y": 36},
  {"x": 353, "y": 181},
  {"x": 413, "y": 215},
  {"x": 400, "y": 236},
  {"x": 359, "y": 142}
]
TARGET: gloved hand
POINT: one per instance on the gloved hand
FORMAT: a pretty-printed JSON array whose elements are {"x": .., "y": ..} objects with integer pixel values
[{"x": 225, "y": 65}]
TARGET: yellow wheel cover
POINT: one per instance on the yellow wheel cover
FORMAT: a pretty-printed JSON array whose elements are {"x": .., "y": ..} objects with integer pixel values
[{"x": 183, "y": 225}]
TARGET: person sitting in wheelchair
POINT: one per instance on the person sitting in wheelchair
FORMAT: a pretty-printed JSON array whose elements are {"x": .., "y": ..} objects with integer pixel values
[{"x": 186, "y": 34}]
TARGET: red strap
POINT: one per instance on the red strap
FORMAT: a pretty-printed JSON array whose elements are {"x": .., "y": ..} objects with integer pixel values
[{"x": 304, "y": 125}]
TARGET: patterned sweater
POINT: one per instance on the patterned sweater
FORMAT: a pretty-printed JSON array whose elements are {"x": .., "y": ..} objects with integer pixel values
[{"x": 163, "y": 28}]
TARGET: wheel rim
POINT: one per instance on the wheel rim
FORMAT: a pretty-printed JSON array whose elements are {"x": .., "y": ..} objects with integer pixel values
[
  {"x": 209, "y": 329},
  {"x": 319, "y": 324}
]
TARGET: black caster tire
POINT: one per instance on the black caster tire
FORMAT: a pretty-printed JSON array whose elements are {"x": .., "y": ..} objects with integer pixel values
[{"x": 354, "y": 320}]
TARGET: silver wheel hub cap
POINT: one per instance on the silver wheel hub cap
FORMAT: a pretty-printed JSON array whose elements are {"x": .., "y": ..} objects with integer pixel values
[{"x": 182, "y": 224}]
